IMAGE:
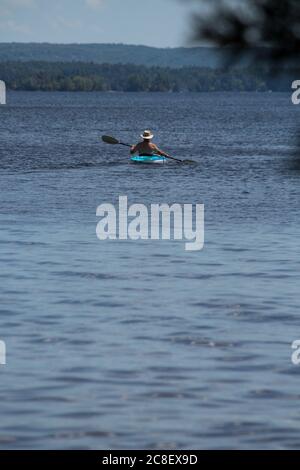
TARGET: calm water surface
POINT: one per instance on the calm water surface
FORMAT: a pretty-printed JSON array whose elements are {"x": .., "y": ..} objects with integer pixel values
[{"x": 140, "y": 344}]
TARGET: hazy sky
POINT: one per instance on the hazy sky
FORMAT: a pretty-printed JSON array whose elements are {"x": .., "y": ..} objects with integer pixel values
[{"x": 150, "y": 22}]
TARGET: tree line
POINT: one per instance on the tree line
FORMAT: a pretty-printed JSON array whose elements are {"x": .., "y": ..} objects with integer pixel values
[{"x": 80, "y": 76}]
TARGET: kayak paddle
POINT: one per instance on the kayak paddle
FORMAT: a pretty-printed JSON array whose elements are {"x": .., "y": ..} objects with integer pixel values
[{"x": 111, "y": 140}]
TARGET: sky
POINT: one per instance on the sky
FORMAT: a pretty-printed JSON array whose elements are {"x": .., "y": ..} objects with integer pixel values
[{"x": 160, "y": 23}]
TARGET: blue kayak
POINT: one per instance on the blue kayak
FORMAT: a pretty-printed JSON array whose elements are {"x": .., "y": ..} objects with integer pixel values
[{"x": 148, "y": 159}]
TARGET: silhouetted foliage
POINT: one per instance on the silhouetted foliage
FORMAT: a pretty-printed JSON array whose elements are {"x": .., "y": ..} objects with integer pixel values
[
  {"x": 243, "y": 27},
  {"x": 248, "y": 25}
]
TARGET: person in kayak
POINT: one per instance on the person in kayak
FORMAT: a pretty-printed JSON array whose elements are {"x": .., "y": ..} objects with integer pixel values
[{"x": 146, "y": 147}]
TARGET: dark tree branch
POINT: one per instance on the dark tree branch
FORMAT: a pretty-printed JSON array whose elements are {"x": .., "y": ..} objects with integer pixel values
[{"x": 268, "y": 29}]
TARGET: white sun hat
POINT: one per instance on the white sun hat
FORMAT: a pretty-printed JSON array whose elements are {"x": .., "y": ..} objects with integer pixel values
[{"x": 147, "y": 135}]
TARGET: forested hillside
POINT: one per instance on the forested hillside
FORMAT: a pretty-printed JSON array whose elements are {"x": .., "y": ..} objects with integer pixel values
[
  {"x": 78, "y": 76},
  {"x": 111, "y": 54}
]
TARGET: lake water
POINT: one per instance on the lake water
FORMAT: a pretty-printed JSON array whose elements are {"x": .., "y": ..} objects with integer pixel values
[{"x": 141, "y": 344}]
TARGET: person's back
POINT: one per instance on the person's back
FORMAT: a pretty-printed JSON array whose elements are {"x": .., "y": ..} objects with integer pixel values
[{"x": 146, "y": 147}]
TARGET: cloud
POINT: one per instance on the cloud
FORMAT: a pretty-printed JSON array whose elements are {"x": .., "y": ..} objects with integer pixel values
[
  {"x": 13, "y": 26},
  {"x": 18, "y": 3},
  {"x": 64, "y": 23},
  {"x": 10, "y": 6},
  {"x": 94, "y": 3}
]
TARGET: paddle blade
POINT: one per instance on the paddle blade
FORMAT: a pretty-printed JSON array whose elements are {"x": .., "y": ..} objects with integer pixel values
[{"x": 109, "y": 140}]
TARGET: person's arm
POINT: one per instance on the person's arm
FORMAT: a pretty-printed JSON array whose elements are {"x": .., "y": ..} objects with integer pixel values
[
  {"x": 160, "y": 152},
  {"x": 134, "y": 149}
]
